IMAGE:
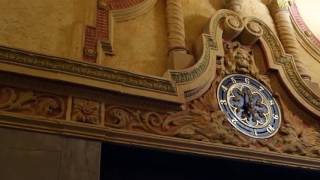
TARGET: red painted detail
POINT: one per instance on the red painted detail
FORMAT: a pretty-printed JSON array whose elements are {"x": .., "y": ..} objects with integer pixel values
[
  {"x": 101, "y": 31},
  {"x": 295, "y": 14}
]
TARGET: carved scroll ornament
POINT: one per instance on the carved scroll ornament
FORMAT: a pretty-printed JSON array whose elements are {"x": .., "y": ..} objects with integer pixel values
[
  {"x": 202, "y": 121},
  {"x": 32, "y": 103}
]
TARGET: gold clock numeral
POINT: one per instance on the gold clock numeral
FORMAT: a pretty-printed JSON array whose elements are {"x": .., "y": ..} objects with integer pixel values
[
  {"x": 224, "y": 88},
  {"x": 233, "y": 80},
  {"x": 247, "y": 80},
  {"x": 275, "y": 116},
  {"x": 261, "y": 88},
  {"x": 271, "y": 102},
  {"x": 223, "y": 102},
  {"x": 234, "y": 120},
  {"x": 270, "y": 129}
]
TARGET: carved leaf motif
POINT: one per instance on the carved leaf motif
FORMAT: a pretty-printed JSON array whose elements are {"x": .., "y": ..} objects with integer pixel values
[
  {"x": 32, "y": 103},
  {"x": 202, "y": 121}
]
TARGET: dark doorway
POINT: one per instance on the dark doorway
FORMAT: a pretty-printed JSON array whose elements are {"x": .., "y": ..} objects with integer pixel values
[{"x": 130, "y": 163}]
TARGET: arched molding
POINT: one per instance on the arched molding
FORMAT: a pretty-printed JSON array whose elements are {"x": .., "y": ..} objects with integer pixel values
[
  {"x": 108, "y": 12},
  {"x": 305, "y": 36},
  {"x": 285, "y": 65},
  {"x": 195, "y": 80}
]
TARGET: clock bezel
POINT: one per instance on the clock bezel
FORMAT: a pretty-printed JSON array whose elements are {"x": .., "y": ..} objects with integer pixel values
[{"x": 230, "y": 115}]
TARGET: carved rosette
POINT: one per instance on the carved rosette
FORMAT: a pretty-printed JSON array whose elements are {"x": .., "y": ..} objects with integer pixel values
[
  {"x": 32, "y": 103},
  {"x": 85, "y": 111}
]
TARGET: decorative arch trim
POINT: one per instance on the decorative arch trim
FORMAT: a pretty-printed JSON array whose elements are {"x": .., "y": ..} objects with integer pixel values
[
  {"x": 284, "y": 63},
  {"x": 109, "y": 11},
  {"x": 305, "y": 36}
]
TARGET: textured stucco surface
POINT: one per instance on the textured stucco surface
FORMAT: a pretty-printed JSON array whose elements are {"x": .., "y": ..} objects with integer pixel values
[
  {"x": 311, "y": 64},
  {"x": 196, "y": 15},
  {"x": 141, "y": 44},
  {"x": 53, "y": 27},
  {"x": 56, "y": 27}
]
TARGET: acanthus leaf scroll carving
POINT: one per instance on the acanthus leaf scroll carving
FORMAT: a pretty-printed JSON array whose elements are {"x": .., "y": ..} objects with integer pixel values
[
  {"x": 32, "y": 103},
  {"x": 202, "y": 121}
]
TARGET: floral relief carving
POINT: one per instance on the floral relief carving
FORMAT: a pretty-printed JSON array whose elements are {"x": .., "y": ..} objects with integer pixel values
[
  {"x": 32, "y": 103},
  {"x": 85, "y": 111},
  {"x": 202, "y": 121}
]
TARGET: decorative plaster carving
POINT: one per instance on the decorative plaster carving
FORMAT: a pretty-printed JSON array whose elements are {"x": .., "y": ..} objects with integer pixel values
[
  {"x": 252, "y": 32},
  {"x": 232, "y": 27},
  {"x": 85, "y": 111},
  {"x": 238, "y": 59},
  {"x": 32, "y": 103},
  {"x": 279, "y": 9},
  {"x": 187, "y": 80},
  {"x": 201, "y": 121}
]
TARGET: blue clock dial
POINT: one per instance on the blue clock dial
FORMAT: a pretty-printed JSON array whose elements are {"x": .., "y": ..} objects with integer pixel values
[{"x": 249, "y": 106}]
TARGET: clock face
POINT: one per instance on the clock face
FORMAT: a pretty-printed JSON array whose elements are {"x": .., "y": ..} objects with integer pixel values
[{"x": 249, "y": 106}]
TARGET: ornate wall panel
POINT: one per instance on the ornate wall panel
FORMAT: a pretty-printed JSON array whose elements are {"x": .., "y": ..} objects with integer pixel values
[{"x": 178, "y": 112}]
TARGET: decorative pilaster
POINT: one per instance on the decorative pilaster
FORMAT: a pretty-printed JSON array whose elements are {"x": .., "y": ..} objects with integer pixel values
[
  {"x": 178, "y": 57},
  {"x": 281, "y": 16}
]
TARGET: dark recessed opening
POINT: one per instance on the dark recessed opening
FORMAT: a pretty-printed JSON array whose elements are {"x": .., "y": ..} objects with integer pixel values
[{"x": 131, "y": 163}]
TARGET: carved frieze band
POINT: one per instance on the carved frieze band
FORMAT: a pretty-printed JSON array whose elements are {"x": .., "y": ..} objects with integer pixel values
[
  {"x": 200, "y": 121},
  {"x": 33, "y": 103}
]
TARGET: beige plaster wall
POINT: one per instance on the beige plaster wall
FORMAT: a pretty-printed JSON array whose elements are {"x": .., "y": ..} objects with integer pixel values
[
  {"x": 56, "y": 27},
  {"x": 312, "y": 65},
  {"x": 53, "y": 27},
  {"x": 196, "y": 16},
  {"x": 141, "y": 44},
  {"x": 309, "y": 10},
  {"x": 258, "y": 9}
]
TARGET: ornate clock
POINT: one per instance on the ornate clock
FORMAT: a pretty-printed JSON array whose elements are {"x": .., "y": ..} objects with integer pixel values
[{"x": 249, "y": 106}]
